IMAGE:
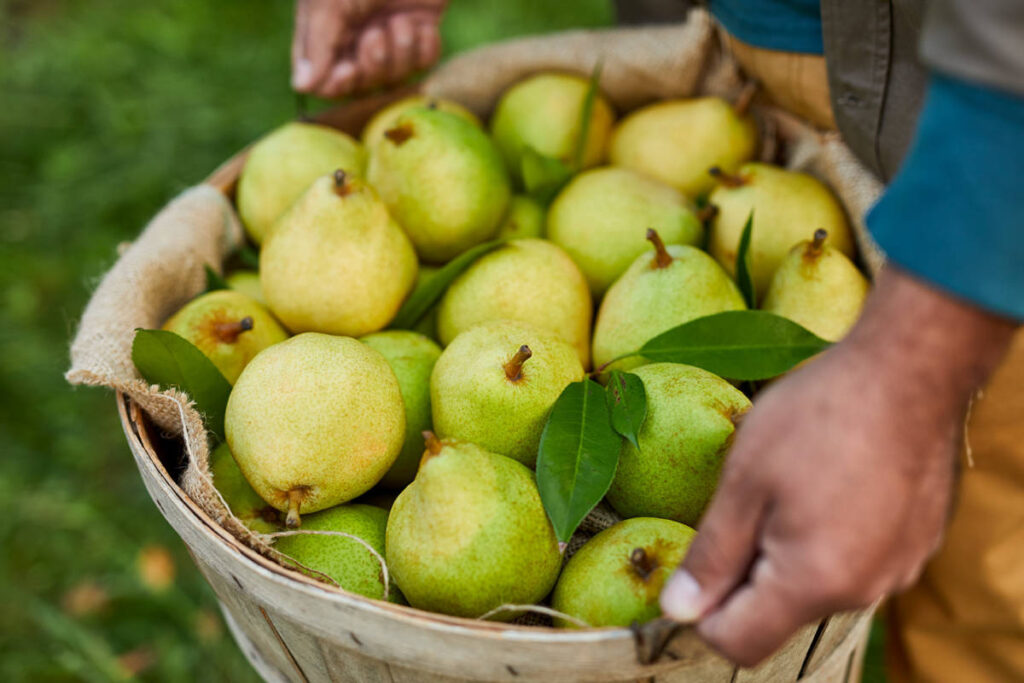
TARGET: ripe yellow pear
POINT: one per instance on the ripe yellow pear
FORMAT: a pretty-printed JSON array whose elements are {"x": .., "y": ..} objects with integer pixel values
[
  {"x": 679, "y": 140},
  {"x": 247, "y": 282},
  {"x": 386, "y": 117},
  {"x": 336, "y": 261}
]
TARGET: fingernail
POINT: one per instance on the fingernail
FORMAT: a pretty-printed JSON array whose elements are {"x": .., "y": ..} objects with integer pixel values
[
  {"x": 302, "y": 74},
  {"x": 680, "y": 598}
]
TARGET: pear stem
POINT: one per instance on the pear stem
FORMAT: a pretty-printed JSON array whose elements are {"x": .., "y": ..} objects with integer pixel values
[
  {"x": 295, "y": 497},
  {"x": 662, "y": 259},
  {"x": 742, "y": 104},
  {"x": 228, "y": 332},
  {"x": 514, "y": 367},
  {"x": 727, "y": 179},
  {"x": 642, "y": 563},
  {"x": 708, "y": 213},
  {"x": 815, "y": 246},
  {"x": 432, "y": 104},
  {"x": 432, "y": 443},
  {"x": 341, "y": 186}
]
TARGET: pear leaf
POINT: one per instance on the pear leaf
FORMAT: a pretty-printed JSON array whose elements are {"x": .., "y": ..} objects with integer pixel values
[
  {"x": 417, "y": 305},
  {"x": 743, "y": 264},
  {"x": 627, "y": 405},
  {"x": 171, "y": 361},
  {"x": 249, "y": 257},
  {"x": 543, "y": 176},
  {"x": 578, "y": 454},
  {"x": 214, "y": 281},
  {"x": 586, "y": 112}
]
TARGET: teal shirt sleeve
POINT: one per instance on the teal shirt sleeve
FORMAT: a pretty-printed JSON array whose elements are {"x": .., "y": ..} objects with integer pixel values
[
  {"x": 790, "y": 25},
  {"x": 954, "y": 215}
]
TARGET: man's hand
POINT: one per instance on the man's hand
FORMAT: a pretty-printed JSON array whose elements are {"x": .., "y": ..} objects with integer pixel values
[
  {"x": 345, "y": 46},
  {"x": 837, "y": 488}
]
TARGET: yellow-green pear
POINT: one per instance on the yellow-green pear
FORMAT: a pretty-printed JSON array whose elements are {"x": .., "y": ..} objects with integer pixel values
[
  {"x": 529, "y": 280},
  {"x": 543, "y": 112},
  {"x": 470, "y": 534},
  {"x": 601, "y": 217},
  {"x": 337, "y": 262},
  {"x": 243, "y": 502},
  {"x": 525, "y": 218},
  {"x": 679, "y": 140},
  {"x": 412, "y": 357},
  {"x": 386, "y": 117},
  {"x": 691, "y": 417},
  {"x": 281, "y": 165},
  {"x": 442, "y": 179},
  {"x": 247, "y": 282},
  {"x": 495, "y": 384},
  {"x": 615, "y": 579},
  {"x": 787, "y": 207},
  {"x": 229, "y": 327},
  {"x": 315, "y": 421},
  {"x": 818, "y": 287},
  {"x": 662, "y": 289}
]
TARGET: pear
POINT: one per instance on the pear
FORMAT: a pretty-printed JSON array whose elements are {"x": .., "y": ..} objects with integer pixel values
[
  {"x": 345, "y": 560},
  {"x": 543, "y": 112},
  {"x": 442, "y": 179},
  {"x": 283, "y": 164},
  {"x": 660, "y": 290},
  {"x": 247, "y": 282},
  {"x": 243, "y": 502},
  {"x": 691, "y": 417},
  {"x": 315, "y": 421},
  {"x": 337, "y": 262},
  {"x": 818, "y": 287},
  {"x": 495, "y": 384},
  {"x": 384, "y": 119},
  {"x": 677, "y": 141},
  {"x": 525, "y": 218},
  {"x": 615, "y": 579},
  {"x": 601, "y": 216},
  {"x": 228, "y": 327},
  {"x": 528, "y": 280},
  {"x": 411, "y": 357},
  {"x": 787, "y": 207},
  {"x": 470, "y": 534}
]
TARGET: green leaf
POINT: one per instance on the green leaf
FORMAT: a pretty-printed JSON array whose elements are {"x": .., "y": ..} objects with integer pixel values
[
  {"x": 169, "y": 360},
  {"x": 417, "y": 305},
  {"x": 579, "y": 452},
  {"x": 627, "y": 405},
  {"x": 740, "y": 345},
  {"x": 214, "y": 281},
  {"x": 743, "y": 264},
  {"x": 585, "y": 113},
  {"x": 543, "y": 176},
  {"x": 249, "y": 257}
]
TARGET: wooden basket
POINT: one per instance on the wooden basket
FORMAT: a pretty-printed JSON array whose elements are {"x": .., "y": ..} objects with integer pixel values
[{"x": 293, "y": 628}]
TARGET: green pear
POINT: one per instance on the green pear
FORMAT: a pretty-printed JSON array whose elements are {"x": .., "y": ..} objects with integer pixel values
[
  {"x": 787, "y": 207},
  {"x": 281, "y": 165},
  {"x": 337, "y": 262},
  {"x": 818, "y": 287},
  {"x": 386, "y": 118},
  {"x": 243, "y": 502},
  {"x": 544, "y": 112},
  {"x": 528, "y": 280},
  {"x": 525, "y": 218},
  {"x": 662, "y": 289},
  {"x": 228, "y": 327},
  {"x": 691, "y": 417},
  {"x": 315, "y": 421},
  {"x": 677, "y": 141},
  {"x": 247, "y": 282},
  {"x": 411, "y": 357},
  {"x": 442, "y": 179},
  {"x": 427, "y": 326},
  {"x": 615, "y": 579},
  {"x": 470, "y": 534},
  {"x": 495, "y": 385},
  {"x": 600, "y": 219},
  {"x": 343, "y": 559}
]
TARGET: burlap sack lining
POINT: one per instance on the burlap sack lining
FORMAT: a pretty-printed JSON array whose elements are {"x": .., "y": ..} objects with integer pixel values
[{"x": 164, "y": 267}]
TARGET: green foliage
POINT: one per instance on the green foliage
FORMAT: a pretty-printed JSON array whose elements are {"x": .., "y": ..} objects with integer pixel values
[
  {"x": 627, "y": 405},
  {"x": 214, "y": 280},
  {"x": 743, "y": 262}
]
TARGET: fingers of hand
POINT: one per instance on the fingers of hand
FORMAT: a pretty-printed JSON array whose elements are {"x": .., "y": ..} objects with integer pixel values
[
  {"x": 402, "y": 42},
  {"x": 428, "y": 44},
  {"x": 320, "y": 28}
]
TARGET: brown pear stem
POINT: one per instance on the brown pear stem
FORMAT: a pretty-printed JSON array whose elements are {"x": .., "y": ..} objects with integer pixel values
[
  {"x": 341, "y": 185},
  {"x": 662, "y": 259},
  {"x": 432, "y": 104},
  {"x": 228, "y": 332},
  {"x": 727, "y": 179},
  {"x": 642, "y": 563},
  {"x": 514, "y": 367},
  {"x": 433, "y": 444},
  {"x": 742, "y": 104},
  {"x": 295, "y": 497},
  {"x": 708, "y": 213},
  {"x": 815, "y": 246}
]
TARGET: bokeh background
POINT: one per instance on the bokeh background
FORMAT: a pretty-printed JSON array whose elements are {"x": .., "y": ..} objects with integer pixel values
[{"x": 107, "y": 110}]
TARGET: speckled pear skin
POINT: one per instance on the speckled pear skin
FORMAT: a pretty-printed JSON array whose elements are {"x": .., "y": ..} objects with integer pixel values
[
  {"x": 317, "y": 413},
  {"x": 473, "y": 399},
  {"x": 442, "y": 179},
  {"x": 244, "y": 503},
  {"x": 281, "y": 165},
  {"x": 247, "y": 282},
  {"x": 788, "y": 207},
  {"x": 470, "y": 534},
  {"x": 202, "y": 321},
  {"x": 543, "y": 112},
  {"x": 818, "y": 287},
  {"x": 677, "y": 141},
  {"x": 386, "y": 117},
  {"x": 412, "y": 357},
  {"x": 525, "y": 218},
  {"x": 601, "y": 218},
  {"x": 691, "y": 417},
  {"x": 531, "y": 281},
  {"x": 602, "y": 586},
  {"x": 337, "y": 262},
  {"x": 647, "y": 301}
]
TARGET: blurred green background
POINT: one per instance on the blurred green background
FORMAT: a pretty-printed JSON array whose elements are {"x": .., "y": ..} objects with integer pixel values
[{"x": 107, "y": 110}]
